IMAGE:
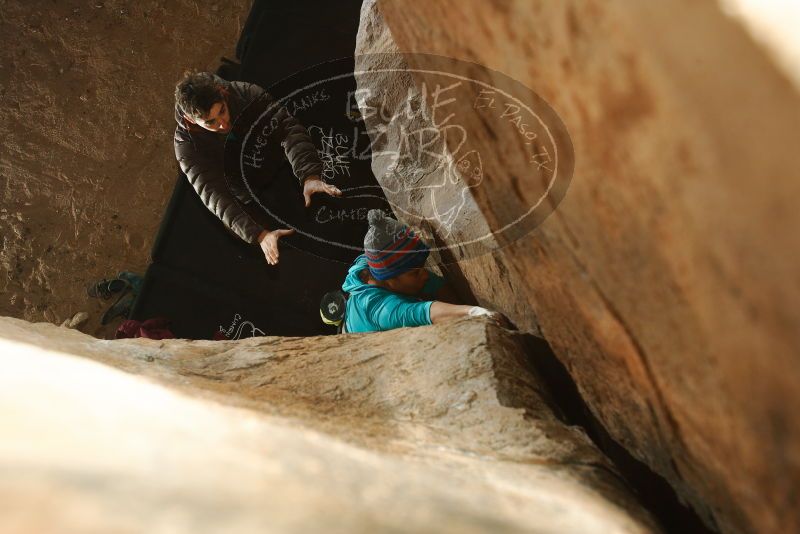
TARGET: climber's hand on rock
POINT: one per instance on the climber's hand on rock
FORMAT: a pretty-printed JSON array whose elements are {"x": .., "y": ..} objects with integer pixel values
[
  {"x": 497, "y": 317},
  {"x": 477, "y": 311},
  {"x": 269, "y": 243},
  {"x": 314, "y": 184}
]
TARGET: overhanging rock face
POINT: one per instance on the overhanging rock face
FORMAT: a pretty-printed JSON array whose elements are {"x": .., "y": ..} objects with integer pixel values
[
  {"x": 435, "y": 429},
  {"x": 666, "y": 280}
]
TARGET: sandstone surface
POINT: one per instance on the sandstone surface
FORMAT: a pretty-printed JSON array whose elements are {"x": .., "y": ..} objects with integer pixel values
[
  {"x": 666, "y": 280},
  {"x": 86, "y": 157},
  {"x": 435, "y": 429}
]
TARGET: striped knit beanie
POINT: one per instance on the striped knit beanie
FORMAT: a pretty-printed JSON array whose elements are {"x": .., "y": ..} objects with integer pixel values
[{"x": 391, "y": 247}]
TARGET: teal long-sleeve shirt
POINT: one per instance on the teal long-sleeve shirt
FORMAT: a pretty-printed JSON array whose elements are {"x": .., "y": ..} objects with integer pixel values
[{"x": 374, "y": 309}]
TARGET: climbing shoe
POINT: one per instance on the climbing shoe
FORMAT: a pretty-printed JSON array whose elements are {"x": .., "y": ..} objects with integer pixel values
[
  {"x": 105, "y": 289},
  {"x": 121, "y": 308}
]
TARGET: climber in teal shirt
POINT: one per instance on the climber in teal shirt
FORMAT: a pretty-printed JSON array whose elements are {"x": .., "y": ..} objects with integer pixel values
[
  {"x": 373, "y": 308},
  {"x": 388, "y": 286}
]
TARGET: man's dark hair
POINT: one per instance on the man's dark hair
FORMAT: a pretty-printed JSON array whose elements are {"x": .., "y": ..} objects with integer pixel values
[{"x": 198, "y": 91}]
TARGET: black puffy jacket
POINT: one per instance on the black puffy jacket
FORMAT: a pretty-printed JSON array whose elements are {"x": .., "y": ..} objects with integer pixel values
[{"x": 201, "y": 156}]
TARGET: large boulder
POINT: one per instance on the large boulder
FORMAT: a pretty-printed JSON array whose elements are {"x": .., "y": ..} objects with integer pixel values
[
  {"x": 666, "y": 280},
  {"x": 434, "y": 429}
]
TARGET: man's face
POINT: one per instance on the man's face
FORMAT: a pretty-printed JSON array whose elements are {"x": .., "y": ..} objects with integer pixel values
[
  {"x": 218, "y": 119},
  {"x": 409, "y": 283}
]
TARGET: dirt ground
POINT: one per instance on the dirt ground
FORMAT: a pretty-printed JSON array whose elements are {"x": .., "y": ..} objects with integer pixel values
[{"x": 86, "y": 157}]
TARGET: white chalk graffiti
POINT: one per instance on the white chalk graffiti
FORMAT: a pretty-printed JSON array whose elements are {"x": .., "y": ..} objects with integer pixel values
[{"x": 241, "y": 329}]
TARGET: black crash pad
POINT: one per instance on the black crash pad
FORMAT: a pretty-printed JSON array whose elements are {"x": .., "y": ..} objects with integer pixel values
[{"x": 204, "y": 278}]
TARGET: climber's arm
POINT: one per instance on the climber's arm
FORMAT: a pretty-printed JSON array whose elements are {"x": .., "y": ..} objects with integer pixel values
[{"x": 442, "y": 311}]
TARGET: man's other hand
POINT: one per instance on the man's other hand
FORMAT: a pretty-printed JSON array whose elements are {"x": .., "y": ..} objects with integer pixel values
[
  {"x": 314, "y": 184},
  {"x": 269, "y": 244}
]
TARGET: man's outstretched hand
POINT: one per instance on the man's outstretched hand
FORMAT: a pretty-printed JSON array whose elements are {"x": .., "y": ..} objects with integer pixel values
[
  {"x": 269, "y": 240},
  {"x": 269, "y": 243},
  {"x": 314, "y": 184}
]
